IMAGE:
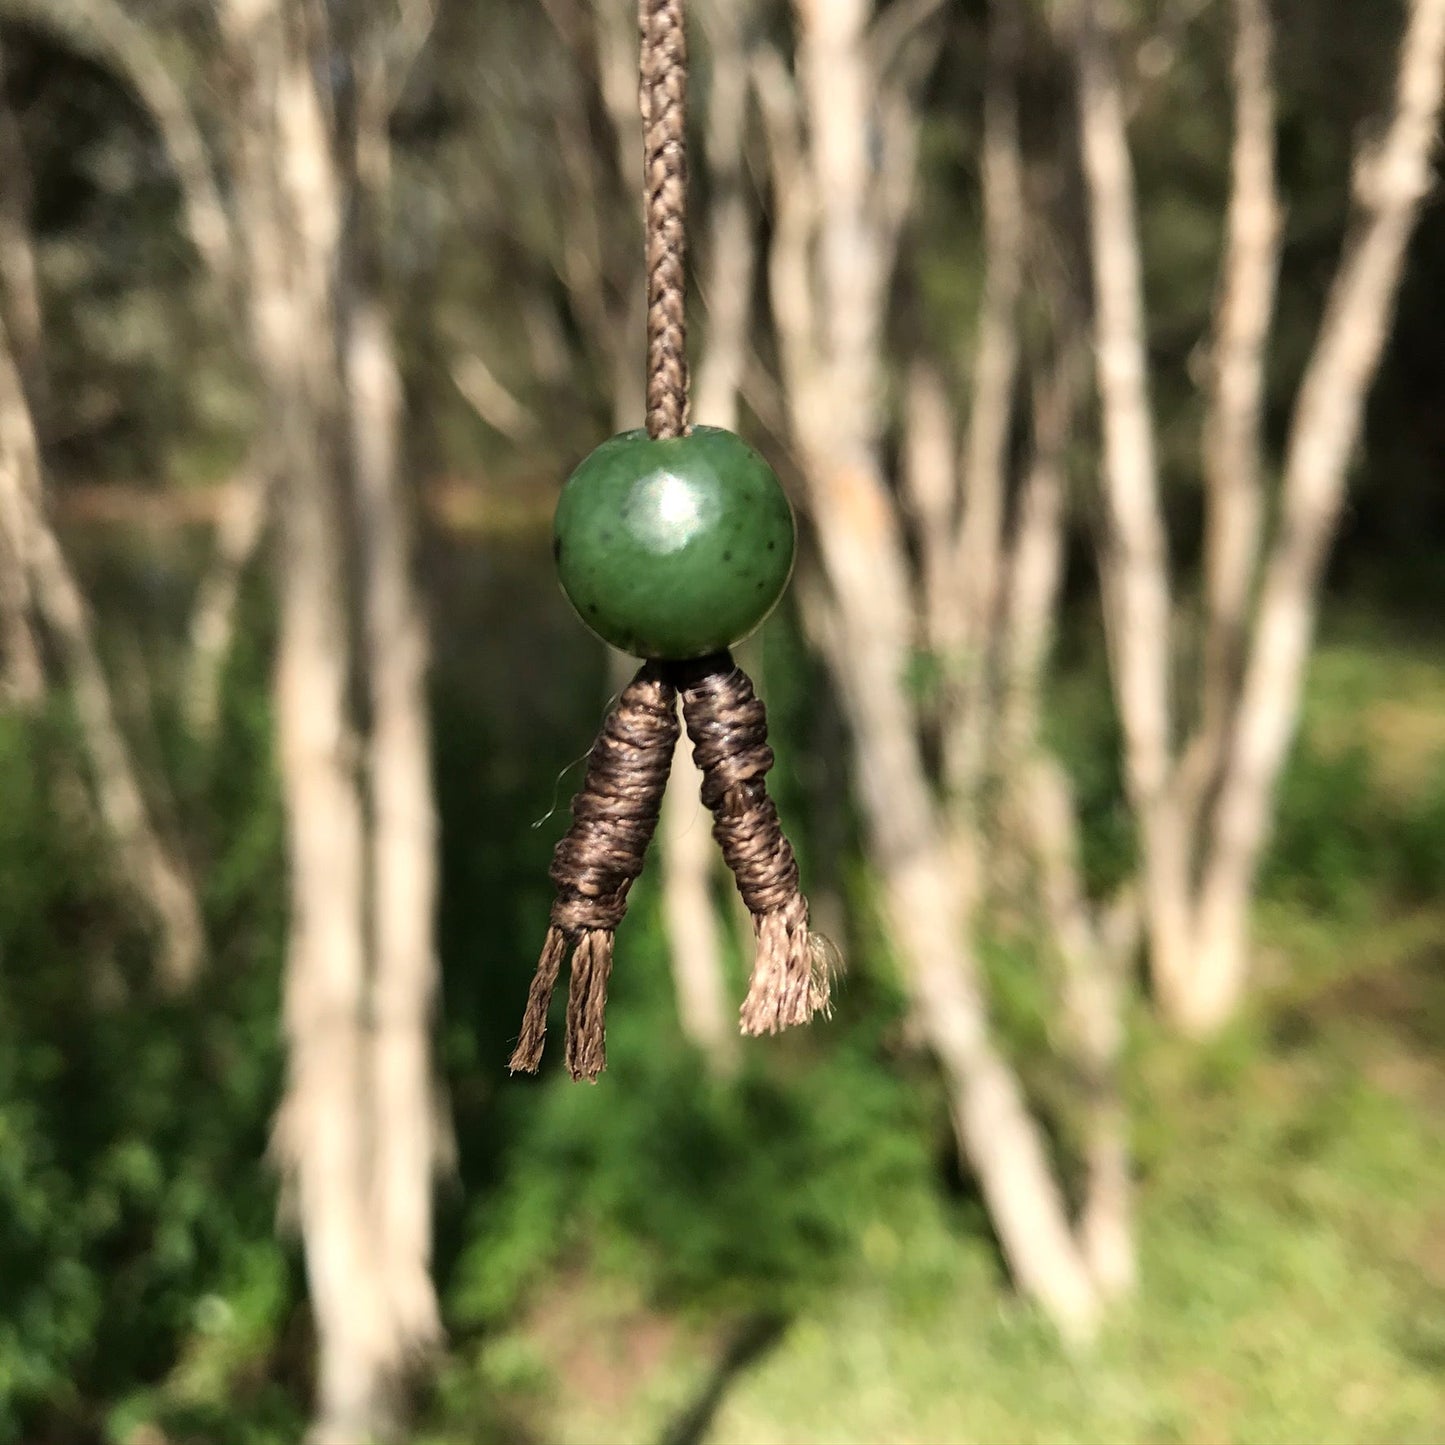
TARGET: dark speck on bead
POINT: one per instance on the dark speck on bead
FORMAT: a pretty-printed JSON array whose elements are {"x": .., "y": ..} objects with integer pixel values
[
  {"x": 772, "y": 546},
  {"x": 727, "y": 556},
  {"x": 556, "y": 549}
]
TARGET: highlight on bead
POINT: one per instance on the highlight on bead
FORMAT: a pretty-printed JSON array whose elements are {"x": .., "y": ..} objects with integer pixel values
[{"x": 677, "y": 547}]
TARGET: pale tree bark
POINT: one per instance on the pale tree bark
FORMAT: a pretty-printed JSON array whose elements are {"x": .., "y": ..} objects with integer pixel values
[
  {"x": 490, "y": 398},
  {"x": 1134, "y": 558},
  {"x": 408, "y": 1143},
  {"x": 1392, "y": 178},
  {"x": 930, "y": 486},
  {"x": 829, "y": 266},
  {"x": 986, "y": 451},
  {"x": 1093, "y": 945},
  {"x": 359, "y": 1128},
  {"x": 1205, "y": 822},
  {"x": 1035, "y": 564},
  {"x": 290, "y": 208},
  {"x": 245, "y": 513},
  {"x": 1233, "y": 439},
  {"x": 43, "y": 581},
  {"x": 152, "y": 873},
  {"x": 22, "y": 675},
  {"x": 19, "y": 276}
]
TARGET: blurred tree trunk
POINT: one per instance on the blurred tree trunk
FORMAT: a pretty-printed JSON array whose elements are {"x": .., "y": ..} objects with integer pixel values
[
  {"x": 1233, "y": 443},
  {"x": 22, "y": 677},
  {"x": 245, "y": 513},
  {"x": 1133, "y": 554},
  {"x": 357, "y": 1131},
  {"x": 157, "y": 70},
  {"x": 40, "y": 583},
  {"x": 1205, "y": 809},
  {"x": 965, "y": 609},
  {"x": 153, "y": 874},
  {"x": 1094, "y": 944},
  {"x": 409, "y": 1140},
  {"x": 1392, "y": 179},
  {"x": 838, "y": 209},
  {"x": 289, "y": 213}
]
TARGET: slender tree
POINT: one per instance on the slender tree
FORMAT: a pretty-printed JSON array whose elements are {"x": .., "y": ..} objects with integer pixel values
[
  {"x": 838, "y": 212},
  {"x": 40, "y": 593},
  {"x": 1204, "y": 797},
  {"x": 290, "y": 213}
]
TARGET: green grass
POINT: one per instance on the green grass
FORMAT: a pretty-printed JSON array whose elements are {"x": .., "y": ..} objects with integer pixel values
[
  {"x": 793, "y": 1257},
  {"x": 1291, "y": 1197},
  {"x": 1293, "y": 1277}
]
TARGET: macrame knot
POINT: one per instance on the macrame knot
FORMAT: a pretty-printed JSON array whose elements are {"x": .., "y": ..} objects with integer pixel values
[
  {"x": 595, "y": 864},
  {"x": 727, "y": 724}
]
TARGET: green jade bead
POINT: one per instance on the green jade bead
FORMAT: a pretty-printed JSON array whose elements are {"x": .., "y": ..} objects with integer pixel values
[{"x": 674, "y": 549}]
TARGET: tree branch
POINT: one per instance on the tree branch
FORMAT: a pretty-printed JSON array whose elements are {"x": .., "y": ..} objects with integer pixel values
[
  {"x": 1233, "y": 445},
  {"x": 984, "y": 468},
  {"x": 1133, "y": 562},
  {"x": 239, "y": 533}
]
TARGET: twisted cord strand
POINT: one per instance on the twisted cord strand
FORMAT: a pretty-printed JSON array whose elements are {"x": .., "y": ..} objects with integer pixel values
[
  {"x": 727, "y": 724},
  {"x": 663, "y": 97},
  {"x": 595, "y": 865}
]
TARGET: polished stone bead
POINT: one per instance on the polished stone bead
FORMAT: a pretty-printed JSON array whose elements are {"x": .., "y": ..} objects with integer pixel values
[{"x": 674, "y": 549}]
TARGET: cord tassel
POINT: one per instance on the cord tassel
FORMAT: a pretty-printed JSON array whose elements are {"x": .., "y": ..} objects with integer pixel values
[
  {"x": 727, "y": 724},
  {"x": 595, "y": 864}
]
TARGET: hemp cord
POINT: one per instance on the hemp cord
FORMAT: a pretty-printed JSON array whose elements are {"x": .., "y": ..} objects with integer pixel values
[
  {"x": 663, "y": 98},
  {"x": 596, "y": 863},
  {"x": 727, "y": 724}
]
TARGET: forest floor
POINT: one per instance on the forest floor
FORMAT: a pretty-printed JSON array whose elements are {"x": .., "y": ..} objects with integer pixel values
[{"x": 1291, "y": 1196}]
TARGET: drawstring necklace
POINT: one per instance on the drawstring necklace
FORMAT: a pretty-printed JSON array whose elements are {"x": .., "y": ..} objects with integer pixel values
[{"x": 673, "y": 543}]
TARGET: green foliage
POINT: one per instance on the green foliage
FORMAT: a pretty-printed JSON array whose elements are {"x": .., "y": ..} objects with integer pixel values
[
  {"x": 1344, "y": 844},
  {"x": 814, "y": 1200},
  {"x": 1082, "y": 729},
  {"x": 1292, "y": 1289},
  {"x": 135, "y": 1219},
  {"x": 709, "y": 1195}
]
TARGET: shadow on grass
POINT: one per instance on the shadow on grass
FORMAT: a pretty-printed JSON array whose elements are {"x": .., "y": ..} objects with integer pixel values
[{"x": 754, "y": 1339}]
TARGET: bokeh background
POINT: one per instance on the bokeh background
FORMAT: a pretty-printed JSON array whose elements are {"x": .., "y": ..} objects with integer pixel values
[{"x": 309, "y": 309}]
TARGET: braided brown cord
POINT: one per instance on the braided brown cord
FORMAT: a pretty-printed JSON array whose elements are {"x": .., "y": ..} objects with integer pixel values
[
  {"x": 728, "y": 726},
  {"x": 596, "y": 863},
  {"x": 664, "y": 167}
]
